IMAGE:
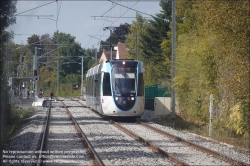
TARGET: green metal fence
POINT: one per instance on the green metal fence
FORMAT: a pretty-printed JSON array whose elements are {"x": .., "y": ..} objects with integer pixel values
[{"x": 153, "y": 91}]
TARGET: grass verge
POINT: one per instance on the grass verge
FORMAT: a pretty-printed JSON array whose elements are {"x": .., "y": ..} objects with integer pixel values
[
  {"x": 239, "y": 144},
  {"x": 17, "y": 117}
]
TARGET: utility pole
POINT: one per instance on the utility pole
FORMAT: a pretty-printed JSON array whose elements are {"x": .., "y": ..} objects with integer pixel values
[
  {"x": 110, "y": 28},
  {"x": 21, "y": 65},
  {"x": 26, "y": 72},
  {"x": 82, "y": 78},
  {"x": 35, "y": 68},
  {"x": 173, "y": 59},
  {"x": 95, "y": 57},
  {"x": 57, "y": 77},
  {"x": 136, "y": 46}
]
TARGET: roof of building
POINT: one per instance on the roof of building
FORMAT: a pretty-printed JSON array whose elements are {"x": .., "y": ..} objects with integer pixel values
[
  {"x": 122, "y": 50},
  {"x": 107, "y": 54}
]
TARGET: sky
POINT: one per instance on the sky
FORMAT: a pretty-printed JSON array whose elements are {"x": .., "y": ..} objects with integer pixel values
[{"x": 77, "y": 18}]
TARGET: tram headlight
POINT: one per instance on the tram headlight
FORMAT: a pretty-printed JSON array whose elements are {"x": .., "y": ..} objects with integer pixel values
[
  {"x": 132, "y": 98},
  {"x": 116, "y": 98}
]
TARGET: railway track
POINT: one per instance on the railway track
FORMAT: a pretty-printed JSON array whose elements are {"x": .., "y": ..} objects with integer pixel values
[
  {"x": 217, "y": 156},
  {"x": 113, "y": 146},
  {"x": 104, "y": 142},
  {"x": 63, "y": 142},
  {"x": 193, "y": 145}
]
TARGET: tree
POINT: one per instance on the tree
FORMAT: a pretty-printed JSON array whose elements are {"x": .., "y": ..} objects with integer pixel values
[
  {"x": 7, "y": 10},
  {"x": 118, "y": 35},
  {"x": 230, "y": 28},
  {"x": 153, "y": 45},
  {"x": 212, "y": 57},
  {"x": 65, "y": 59},
  {"x": 136, "y": 29},
  {"x": 34, "y": 41}
]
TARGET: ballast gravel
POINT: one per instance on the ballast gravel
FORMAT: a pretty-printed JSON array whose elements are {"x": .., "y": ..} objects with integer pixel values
[
  {"x": 29, "y": 132},
  {"x": 113, "y": 146},
  {"x": 64, "y": 145},
  {"x": 181, "y": 151},
  {"x": 216, "y": 146},
  {"x": 208, "y": 143}
]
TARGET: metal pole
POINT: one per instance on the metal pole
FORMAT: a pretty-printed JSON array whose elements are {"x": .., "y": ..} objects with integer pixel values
[
  {"x": 82, "y": 78},
  {"x": 136, "y": 46},
  {"x": 110, "y": 45},
  {"x": 211, "y": 110},
  {"x": 110, "y": 29},
  {"x": 34, "y": 58},
  {"x": 95, "y": 56},
  {"x": 35, "y": 67},
  {"x": 57, "y": 77},
  {"x": 26, "y": 72},
  {"x": 173, "y": 59},
  {"x": 21, "y": 64}
]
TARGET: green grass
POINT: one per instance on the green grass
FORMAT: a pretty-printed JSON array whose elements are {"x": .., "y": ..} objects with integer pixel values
[
  {"x": 18, "y": 116},
  {"x": 218, "y": 134}
]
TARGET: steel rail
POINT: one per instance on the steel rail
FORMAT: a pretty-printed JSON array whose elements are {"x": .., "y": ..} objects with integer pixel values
[
  {"x": 91, "y": 150},
  {"x": 44, "y": 137},
  {"x": 194, "y": 145},
  {"x": 143, "y": 141}
]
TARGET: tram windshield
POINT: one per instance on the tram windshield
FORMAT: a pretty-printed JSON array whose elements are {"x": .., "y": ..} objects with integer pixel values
[{"x": 124, "y": 80}]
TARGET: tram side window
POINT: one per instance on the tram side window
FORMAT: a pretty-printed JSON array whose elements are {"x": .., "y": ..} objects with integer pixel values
[
  {"x": 92, "y": 85},
  {"x": 140, "y": 85},
  {"x": 106, "y": 85},
  {"x": 98, "y": 83},
  {"x": 87, "y": 87}
]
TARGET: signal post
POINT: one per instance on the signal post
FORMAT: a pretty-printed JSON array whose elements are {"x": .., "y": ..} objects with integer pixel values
[{"x": 35, "y": 74}]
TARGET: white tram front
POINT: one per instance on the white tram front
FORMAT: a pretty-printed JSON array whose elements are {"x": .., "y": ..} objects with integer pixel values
[{"x": 116, "y": 88}]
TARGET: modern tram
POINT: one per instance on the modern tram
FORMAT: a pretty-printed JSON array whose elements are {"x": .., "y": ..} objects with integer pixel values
[{"x": 116, "y": 88}]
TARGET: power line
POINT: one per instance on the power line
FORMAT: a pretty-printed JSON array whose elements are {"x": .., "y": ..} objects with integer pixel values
[
  {"x": 102, "y": 25},
  {"x": 131, "y": 8},
  {"x": 34, "y": 8},
  {"x": 60, "y": 9},
  {"x": 37, "y": 15},
  {"x": 21, "y": 34},
  {"x": 109, "y": 10},
  {"x": 115, "y": 17},
  {"x": 127, "y": 11}
]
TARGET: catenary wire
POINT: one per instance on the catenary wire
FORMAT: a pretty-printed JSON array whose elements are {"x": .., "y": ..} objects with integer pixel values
[
  {"x": 34, "y": 8},
  {"x": 102, "y": 26},
  {"x": 129, "y": 8}
]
